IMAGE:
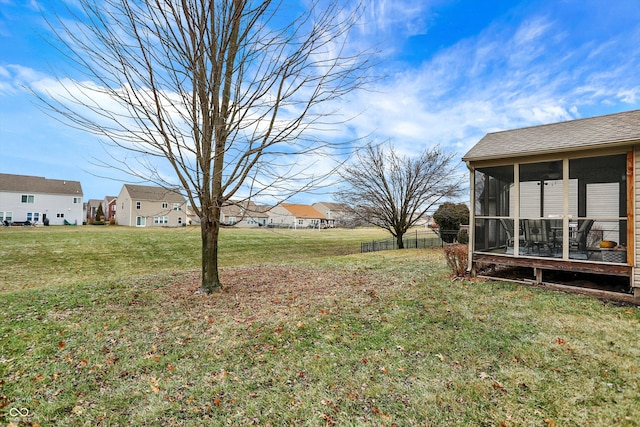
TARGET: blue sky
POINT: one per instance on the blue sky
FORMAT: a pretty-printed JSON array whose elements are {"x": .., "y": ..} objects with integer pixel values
[{"x": 453, "y": 71}]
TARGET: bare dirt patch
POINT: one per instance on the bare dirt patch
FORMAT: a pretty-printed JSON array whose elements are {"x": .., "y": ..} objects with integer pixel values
[{"x": 258, "y": 291}]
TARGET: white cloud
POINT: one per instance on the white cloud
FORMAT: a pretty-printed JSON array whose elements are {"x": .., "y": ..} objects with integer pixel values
[{"x": 504, "y": 78}]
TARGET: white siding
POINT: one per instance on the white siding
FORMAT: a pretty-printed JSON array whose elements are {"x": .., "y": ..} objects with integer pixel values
[{"x": 56, "y": 207}]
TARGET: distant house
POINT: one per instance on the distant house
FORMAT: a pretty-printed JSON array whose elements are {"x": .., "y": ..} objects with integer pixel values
[
  {"x": 143, "y": 206},
  {"x": 296, "y": 216},
  {"x": 92, "y": 210},
  {"x": 36, "y": 199},
  {"x": 337, "y": 214},
  {"x": 244, "y": 214},
  {"x": 109, "y": 207},
  {"x": 192, "y": 218}
]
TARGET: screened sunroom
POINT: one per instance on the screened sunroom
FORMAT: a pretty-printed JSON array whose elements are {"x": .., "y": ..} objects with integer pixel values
[
  {"x": 563, "y": 209},
  {"x": 557, "y": 197}
]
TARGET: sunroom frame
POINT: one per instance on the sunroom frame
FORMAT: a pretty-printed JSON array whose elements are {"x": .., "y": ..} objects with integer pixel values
[{"x": 616, "y": 137}]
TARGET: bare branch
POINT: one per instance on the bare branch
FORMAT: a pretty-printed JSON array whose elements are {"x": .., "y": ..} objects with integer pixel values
[
  {"x": 394, "y": 192},
  {"x": 227, "y": 93}
]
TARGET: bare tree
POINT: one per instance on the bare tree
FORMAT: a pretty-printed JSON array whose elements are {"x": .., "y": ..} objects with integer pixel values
[
  {"x": 230, "y": 93},
  {"x": 393, "y": 192}
]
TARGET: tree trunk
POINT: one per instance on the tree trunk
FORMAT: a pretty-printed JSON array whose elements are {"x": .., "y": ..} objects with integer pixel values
[
  {"x": 400, "y": 241},
  {"x": 210, "y": 229}
]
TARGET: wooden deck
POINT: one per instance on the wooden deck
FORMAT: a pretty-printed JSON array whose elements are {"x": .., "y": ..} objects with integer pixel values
[
  {"x": 555, "y": 264},
  {"x": 539, "y": 266}
]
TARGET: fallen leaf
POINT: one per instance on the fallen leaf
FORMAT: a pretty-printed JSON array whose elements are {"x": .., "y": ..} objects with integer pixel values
[
  {"x": 549, "y": 422},
  {"x": 560, "y": 341},
  {"x": 61, "y": 345}
]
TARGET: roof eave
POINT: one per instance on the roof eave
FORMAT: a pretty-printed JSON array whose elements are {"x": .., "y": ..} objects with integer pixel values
[{"x": 605, "y": 145}]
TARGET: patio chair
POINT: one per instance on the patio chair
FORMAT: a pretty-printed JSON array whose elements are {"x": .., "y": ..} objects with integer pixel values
[
  {"x": 508, "y": 226},
  {"x": 579, "y": 240},
  {"x": 536, "y": 235}
]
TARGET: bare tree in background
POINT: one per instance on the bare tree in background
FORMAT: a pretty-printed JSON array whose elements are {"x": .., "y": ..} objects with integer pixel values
[
  {"x": 231, "y": 93},
  {"x": 394, "y": 192}
]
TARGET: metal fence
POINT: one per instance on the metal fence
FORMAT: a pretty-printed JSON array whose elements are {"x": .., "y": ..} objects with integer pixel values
[{"x": 417, "y": 240}]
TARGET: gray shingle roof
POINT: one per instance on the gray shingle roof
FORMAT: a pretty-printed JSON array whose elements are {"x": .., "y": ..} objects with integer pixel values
[
  {"x": 594, "y": 132},
  {"x": 143, "y": 192},
  {"x": 38, "y": 184}
]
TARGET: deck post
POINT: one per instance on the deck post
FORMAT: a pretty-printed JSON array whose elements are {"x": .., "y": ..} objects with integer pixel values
[{"x": 538, "y": 274}]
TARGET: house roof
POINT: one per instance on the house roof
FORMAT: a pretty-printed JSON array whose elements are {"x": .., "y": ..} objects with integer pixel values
[
  {"x": 142, "y": 192},
  {"x": 248, "y": 208},
  {"x": 333, "y": 206},
  {"x": 38, "y": 184},
  {"x": 302, "y": 211},
  {"x": 94, "y": 202},
  {"x": 594, "y": 132}
]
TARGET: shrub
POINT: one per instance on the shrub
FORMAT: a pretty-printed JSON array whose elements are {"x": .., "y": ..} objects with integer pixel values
[
  {"x": 457, "y": 257},
  {"x": 463, "y": 236},
  {"x": 449, "y": 216}
]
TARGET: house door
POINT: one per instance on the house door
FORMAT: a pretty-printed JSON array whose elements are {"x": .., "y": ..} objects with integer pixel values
[{"x": 141, "y": 221}]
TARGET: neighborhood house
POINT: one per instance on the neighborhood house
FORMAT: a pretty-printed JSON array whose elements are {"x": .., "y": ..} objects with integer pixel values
[
  {"x": 294, "y": 215},
  {"x": 143, "y": 206},
  {"x": 243, "y": 214},
  {"x": 559, "y": 197},
  {"x": 37, "y": 200}
]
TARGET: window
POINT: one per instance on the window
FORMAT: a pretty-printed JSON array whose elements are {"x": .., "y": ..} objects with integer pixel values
[
  {"x": 179, "y": 220},
  {"x": 165, "y": 205},
  {"x": 160, "y": 220},
  {"x": 60, "y": 215},
  {"x": 301, "y": 222},
  {"x": 177, "y": 207},
  {"x": 27, "y": 198},
  {"x": 29, "y": 216},
  {"x": 138, "y": 205},
  {"x": 77, "y": 200},
  {"x": 33, "y": 216},
  {"x": 8, "y": 216}
]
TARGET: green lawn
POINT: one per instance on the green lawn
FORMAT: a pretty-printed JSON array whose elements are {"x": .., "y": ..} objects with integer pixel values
[
  {"x": 306, "y": 332},
  {"x": 45, "y": 256}
]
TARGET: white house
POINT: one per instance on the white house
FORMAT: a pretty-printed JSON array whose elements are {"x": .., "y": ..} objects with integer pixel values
[
  {"x": 142, "y": 206},
  {"x": 36, "y": 199}
]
